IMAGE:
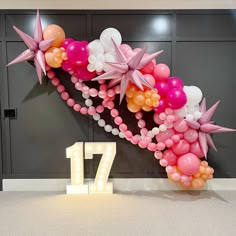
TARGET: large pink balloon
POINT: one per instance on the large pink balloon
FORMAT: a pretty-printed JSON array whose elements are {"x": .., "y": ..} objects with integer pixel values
[
  {"x": 77, "y": 53},
  {"x": 163, "y": 136},
  {"x": 196, "y": 149},
  {"x": 176, "y": 98},
  {"x": 181, "y": 125},
  {"x": 188, "y": 164},
  {"x": 191, "y": 135}
]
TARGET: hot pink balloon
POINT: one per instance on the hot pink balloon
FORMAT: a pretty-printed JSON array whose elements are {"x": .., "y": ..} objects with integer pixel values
[
  {"x": 180, "y": 148},
  {"x": 162, "y": 88},
  {"x": 84, "y": 74},
  {"x": 67, "y": 66},
  {"x": 175, "y": 82},
  {"x": 176, "y": 98},
  {"x": 66, "y": 42},
  {"x": 161, "y": 107},
  {"x": 161, "y": 72},
  {"x": 188, "y": 164},
  {"x": 77, "y": 53}
]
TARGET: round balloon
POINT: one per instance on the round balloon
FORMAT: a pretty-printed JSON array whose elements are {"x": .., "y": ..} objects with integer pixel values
[{"x": 54, "y": 32}]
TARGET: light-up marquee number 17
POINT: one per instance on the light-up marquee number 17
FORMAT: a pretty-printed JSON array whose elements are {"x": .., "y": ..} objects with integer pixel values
[{"x": 100, "y": 185}]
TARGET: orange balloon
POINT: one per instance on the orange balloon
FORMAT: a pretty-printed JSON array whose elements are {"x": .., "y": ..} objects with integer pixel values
[
  {"x": 56, "y": 32},
  {"x": 184, "y": 186},
  {"x": 139, "y": 98},
  {"x": 148, "y": 93},
  {"x": 146, "y": 108},
  {"x": 52, "y": 59},
  {"x": 148, "y": 101},
  {"x": 198, "y": 183},
  {"x": 130, "y": 91},
  {"x": 133, "y": 107}
]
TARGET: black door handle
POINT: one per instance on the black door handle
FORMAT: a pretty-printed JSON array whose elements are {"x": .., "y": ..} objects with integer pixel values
[{"x": 10, "y": 113}]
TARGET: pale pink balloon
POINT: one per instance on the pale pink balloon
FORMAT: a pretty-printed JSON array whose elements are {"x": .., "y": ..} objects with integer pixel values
[
  {"x": 152, "y": 147},
  {"x": 196, "y": 149},
  {"x": 157, "y": 120},
  {"x": 150, "y": 79},
  {"x": 135, "y": 140},
  {"x": 180, "y": 148},
  {"x": 163, "y": 136},
  {"x": 143, "y": 144},
  {"x": 125, "y": 48},
  {"x": 123, "y": 127},
  {"x": 170, "y": 157},
  {"x": 188, "y": 164},
  {"x": 181, "y": 125},
  {"x": 191, "y": 135}
]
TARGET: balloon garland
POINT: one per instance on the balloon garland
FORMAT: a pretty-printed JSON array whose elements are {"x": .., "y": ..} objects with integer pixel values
[{"x": 181, "y": 136}]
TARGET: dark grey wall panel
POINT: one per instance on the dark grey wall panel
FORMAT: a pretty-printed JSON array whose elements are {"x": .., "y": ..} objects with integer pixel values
[
  {"x": 1, "y": 76},
  {"x": 77, "y": 24},
  {"x": 135, "y": 27},
  {"x": 44, "y": 127},
  {"x": 211, "y": 66},
  {"x": 202, "y": 26}
]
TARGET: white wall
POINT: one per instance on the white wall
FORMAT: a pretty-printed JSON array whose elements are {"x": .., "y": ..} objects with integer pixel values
[{"x": 119, "y": 4}]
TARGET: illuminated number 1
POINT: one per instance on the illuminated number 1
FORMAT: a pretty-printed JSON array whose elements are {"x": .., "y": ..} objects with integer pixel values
[{"x": 100, "y": 185}]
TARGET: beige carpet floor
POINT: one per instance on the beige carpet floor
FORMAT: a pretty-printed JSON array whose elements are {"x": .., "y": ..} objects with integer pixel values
[{"x": 161, "y": 213}]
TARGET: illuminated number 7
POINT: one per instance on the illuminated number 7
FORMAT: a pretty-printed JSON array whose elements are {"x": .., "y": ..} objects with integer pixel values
[{"x": 100, "y": 185}]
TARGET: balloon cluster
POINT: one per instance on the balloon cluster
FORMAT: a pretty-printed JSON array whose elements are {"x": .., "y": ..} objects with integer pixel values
[{"x": 183, "y": 128}]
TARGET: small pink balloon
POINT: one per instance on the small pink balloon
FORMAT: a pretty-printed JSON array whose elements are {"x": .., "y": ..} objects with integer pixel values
[
  {"x": 181, "y": 125},
  {"x": 143, "y": 144},
  {"x": 77, "y": 53},
  {"x": 170, "y": 157},
  {"x": 180, "y": 148},
  {"x": 174, "y": 82},
  {"x": 161, "y": 107},
  {"x": 161, "y": 72},
  {"x": 162, "y": 88},
  {"x": 188, "y": 164},
  {"x": 150, "y": 79},
  {"x": 191, "y": 135},
  {"x": 66, "y": 42},
  {"x": 134, "y": 140},
  {"x": 176, "y": 177},
  {"x": 157, "y": 120},
  {"x": 196, "y": 149},
  {"x": 70, "y": 102},
  {"x": 163, "y": 136},
  {"x": 176, "y": 98}
]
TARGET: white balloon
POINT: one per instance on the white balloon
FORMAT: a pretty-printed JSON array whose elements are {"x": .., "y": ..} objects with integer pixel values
[
  {"x": 107, "y": 35},
  {"x": 108, "y": 128},
  {"x": 101, "y": 123},
  {"x": 162, "y": 128},
  {"x": 95, "y": 47},
  {"x": 91, "y": 67},
  {"x": 182, "y": 112},
  {"x": 88, "y": 102},
  {"x": 96, "y": 116},
  {"x": 194, "y": 95},
  {"x": 197, "y": 115},
  {"x": 189, "y": 117},
  {"x": 155, "y": 130},
  {"x": 192, "y": 109},
  {"x": 115, "y": 131},
  {"x": 121, "y": 135},
  {"x": 99, "y": 66}
]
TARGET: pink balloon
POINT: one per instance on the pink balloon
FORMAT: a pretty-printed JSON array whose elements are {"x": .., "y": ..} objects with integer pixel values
[
  {"x": 162, "y": 88},
  {"x": 163, "y": 136},
  {"x": 188, "y": 164},
  {"x": 77, "y": 53},
  {"x": 175, "y": 82},
  {"x": 180, "y": 148},
  {"x": 149, "y": 78},
  {"x": 191, "y": 135},
  {"x": 161, "y": 72},
  {"x": 196, "y": 149},
  {"x": 170, "y": 157},
  {"x": 181, "y": 125},
  {"x": 84, "y": 74},
  {"x": 176, "y": 98},
  {"x": 161, "y": 107},
  {"x": 157, "y": 120},
  {"x": 125, "y": 48},
  {"x": 148, "y": 69},
  {"x": 66, "y": 42}
]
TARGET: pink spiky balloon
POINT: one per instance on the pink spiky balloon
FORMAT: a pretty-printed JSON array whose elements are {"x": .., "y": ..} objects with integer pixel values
[
  {"x": 207, "y": 127},
  {"x": 36, "y": 46},
  {"x": 125, "y": 71}
]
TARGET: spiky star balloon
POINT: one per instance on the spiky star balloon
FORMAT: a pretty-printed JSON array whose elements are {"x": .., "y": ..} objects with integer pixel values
[
  {"x": 207, "y": 127},
  {"x": 125, "y": 71},
  {"x": 36, "y": 46}
]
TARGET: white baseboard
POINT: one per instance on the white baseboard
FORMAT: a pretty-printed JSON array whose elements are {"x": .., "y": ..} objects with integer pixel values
[{"x": 142, "y": 184}]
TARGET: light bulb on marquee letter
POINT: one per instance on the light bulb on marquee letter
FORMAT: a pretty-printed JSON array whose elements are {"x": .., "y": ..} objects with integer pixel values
[
  {"x": 100, "y": 185},
  {"x": 75, "y": 153},
  {"x": 108, "y": 150}
]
